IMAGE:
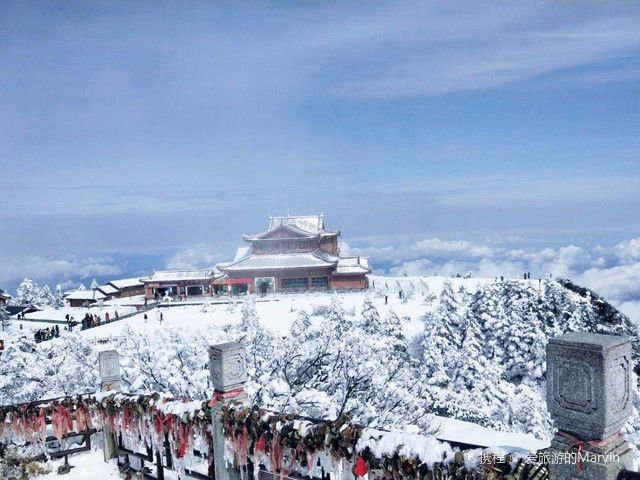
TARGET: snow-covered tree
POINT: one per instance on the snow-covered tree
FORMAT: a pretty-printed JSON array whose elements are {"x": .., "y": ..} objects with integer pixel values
[
  {"x": 261, "y": 347},
  {"x": 371, "y": 324},
  {"x": 4, "y": 318},
  {"x": 46, "y": 297},
  {"x": 448, "y": 314},
  {"x": 58, "y": 297},
  {"x": 439, "y": 353},
  {"x": 28, "y": 293},
  {"x": 302, "y": 328},
  {"x": 168, "y": 360},
  {"x": 23, "y": 377}
]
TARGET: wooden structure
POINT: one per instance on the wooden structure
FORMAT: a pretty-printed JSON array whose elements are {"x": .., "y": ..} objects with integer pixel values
[
  {"x": 82, "y": 298},
  {"x": 295, "y": 253}
]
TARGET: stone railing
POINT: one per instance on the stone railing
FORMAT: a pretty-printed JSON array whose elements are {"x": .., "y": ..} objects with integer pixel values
[{"x": 589, "y": 396}]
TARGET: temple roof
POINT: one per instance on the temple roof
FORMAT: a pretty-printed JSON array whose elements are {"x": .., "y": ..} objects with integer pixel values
[
  {"x": 298, "y": 226},
  {"x": 308, "y": 223},
  {"x": 179, "y": 275},
  {"x": 277, "y": 261},
  {"x": 353, "y": 266}
]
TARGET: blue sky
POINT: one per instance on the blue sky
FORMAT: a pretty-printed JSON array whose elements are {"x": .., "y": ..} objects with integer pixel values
[{"x": 141, "y": 135}]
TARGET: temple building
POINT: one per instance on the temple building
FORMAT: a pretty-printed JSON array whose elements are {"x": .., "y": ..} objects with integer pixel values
[{"x": 295, "y": 253}]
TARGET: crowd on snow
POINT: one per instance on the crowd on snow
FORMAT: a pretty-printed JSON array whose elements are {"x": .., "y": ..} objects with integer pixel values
[
  {"x": 90, "y": 320},
  {"x": 43, "y": 334}
]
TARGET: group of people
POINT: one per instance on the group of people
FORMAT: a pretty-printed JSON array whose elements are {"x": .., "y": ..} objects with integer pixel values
[
  {"x": 93, "y": 320},
  {"x": 43, "y": 334}
]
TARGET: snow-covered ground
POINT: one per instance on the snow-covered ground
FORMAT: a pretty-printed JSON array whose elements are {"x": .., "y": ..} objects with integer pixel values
[
  {"x": 86, "y": 465},
  {"x": 276, "y": 311}
]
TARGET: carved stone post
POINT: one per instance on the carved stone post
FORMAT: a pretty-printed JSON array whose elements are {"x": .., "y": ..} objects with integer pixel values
[
  {"x": 228, "y": 367},
  {"x": 589, "y": 398},
  {"x": 109, "y": 366}
]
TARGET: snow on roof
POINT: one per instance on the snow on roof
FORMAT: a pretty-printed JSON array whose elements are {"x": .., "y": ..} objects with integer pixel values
[
  {"x": 178, "y": 275},
  {"x": 126, "y": 283},
  {"x": 108, "y": 289},
  {"x": 85, "y": 295},
  {"x": 242, "y": 252},
  {"x": 308, "y": 223},
  {"x": 317, "y": 258},
  {"x": 4, "y": 294},
  {"x": 353, "y": 265}
]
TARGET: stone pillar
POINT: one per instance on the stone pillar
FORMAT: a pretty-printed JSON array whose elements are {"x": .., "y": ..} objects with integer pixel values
[
  {"x": 589, "y": 398},
  {"x": 109, "y": 366},
  {"x": 228, "y": 368}
]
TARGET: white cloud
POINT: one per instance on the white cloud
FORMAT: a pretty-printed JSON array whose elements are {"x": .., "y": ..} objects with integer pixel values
[
  {"x": 611, "y": 271},
  {"x": 39, "y": 268},
  {"x": 437, "y": 246},
  {"x": 628, "y": 250},
  {"x": 486, "y": 47},
  {"x": 199, "y": 256}
]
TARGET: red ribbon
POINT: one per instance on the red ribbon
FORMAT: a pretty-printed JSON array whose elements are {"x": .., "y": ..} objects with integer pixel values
[
  {"x": 580, "y": 444},
  {"x": 360, "y": 468},
  {"x": 217, "y": 396}
]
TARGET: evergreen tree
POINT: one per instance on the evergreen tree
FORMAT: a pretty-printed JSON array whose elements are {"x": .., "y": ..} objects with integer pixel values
[
  {"x": 302, "y": 328},
  {"x": 438, "y": 352},
  {"x": 336, "y": 319},
  {"x": 4, "y": 318},
  {"x": 371, "y": 324},
  {"x": 28, "y": 293},
  {"x": 261, "y": 347},
  {"x": 393, "y": 332},
  {"x": 447, "y": 312},
  {"x": 58, "y": 297},
  {"x": 22, "y": 376},
  {"x": 46, "y": 297}
]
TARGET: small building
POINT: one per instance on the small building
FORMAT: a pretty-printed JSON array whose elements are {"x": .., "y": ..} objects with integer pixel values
[
  {"x": 295, "y": 253},
  {"x": 15, "y": 310},
  {"x": 180, "y": 283},
  {"x": 128, "y": 287},
  {"x": 4, "y": 297},
  {"x": 82, "y": 298},
  {"x": 109, "y": 290}
]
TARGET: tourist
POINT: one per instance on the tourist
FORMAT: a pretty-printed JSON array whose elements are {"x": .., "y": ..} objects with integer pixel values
[{"x": 106, "y": 317}]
